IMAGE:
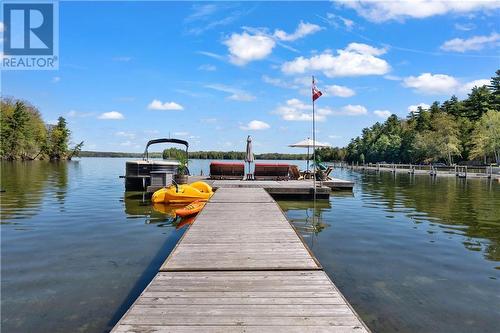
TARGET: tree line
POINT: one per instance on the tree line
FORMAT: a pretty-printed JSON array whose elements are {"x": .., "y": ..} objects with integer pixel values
[
  {"x": 25, "y": 136},
  {"x": 230, "y": 155},
  {"x": 453, "y": 131}
]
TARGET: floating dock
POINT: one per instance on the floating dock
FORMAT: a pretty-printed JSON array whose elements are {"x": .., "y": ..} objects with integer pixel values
[
  {"x": 241, "y": 267},
  {"x": 289, "y": 189}
]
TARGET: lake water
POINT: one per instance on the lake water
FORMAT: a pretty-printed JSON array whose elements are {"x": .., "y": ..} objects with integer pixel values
[{"x": 411, "y": 254}]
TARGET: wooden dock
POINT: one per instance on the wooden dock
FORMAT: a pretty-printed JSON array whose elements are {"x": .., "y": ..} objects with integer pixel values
[{"x": 241, "y": 267}]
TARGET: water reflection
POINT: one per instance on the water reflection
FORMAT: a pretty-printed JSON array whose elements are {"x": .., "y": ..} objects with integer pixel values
[
  {"x": 467, "y": 207},
  {"x": 138, "y": 206},
  {"x": 75, "y": 250},
  {"x": 411, "y": 253},
  {"x": 26, "y": 184}
]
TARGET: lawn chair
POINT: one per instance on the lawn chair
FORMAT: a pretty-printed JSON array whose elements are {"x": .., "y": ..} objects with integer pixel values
[{"x": 295, "y": 173}]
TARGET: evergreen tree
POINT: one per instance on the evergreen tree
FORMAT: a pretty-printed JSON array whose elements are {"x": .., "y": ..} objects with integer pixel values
[
  {"x": 495, "y": 90},
  {"x": 478, "y": 103}
]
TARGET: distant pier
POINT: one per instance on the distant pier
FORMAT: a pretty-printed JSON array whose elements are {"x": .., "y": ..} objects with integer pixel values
[
  {"x": 241, "y": 267},
  {"x": 460, "y": 171}
]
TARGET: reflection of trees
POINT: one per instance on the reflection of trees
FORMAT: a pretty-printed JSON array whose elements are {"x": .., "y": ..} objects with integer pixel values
[
  {"x": 470, "y": 207},
  {"x": 27, "y": 183},
  {"x": 312, "y": 222},
  {"x": 59, "y": 178}
]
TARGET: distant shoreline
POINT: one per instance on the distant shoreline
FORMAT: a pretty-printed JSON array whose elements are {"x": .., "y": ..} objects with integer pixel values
[{"x": 194, "y": 155}]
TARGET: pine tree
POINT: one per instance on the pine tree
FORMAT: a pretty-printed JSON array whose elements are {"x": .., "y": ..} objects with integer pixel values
[{"x": 478, "y": 103}]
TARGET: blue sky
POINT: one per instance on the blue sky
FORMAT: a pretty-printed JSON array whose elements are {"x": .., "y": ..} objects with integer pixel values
[{"x": 214, "y": 72}]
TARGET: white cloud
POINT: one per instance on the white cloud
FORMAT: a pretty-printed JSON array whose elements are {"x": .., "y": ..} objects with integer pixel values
[
  {"x": 302, "y": 30},
  {"x": 296, "y": 110},
  {"x": 355, "y": 60},
  {"x": 209, "y": 120},
  {"x": 352, "y": 110},
  {"x": 126, "y": 143},
  {"x": 365, "y": 49},
  {"x": 124, "y": 134},
  {"x": 182, "y": 133},
  {"x": 474, "y": 43},
  {"x": 211, "y": 55},
  {"x": 465, "y": 26},
  {"x": 2, "y": 28},
  {"x": 255, "y": 125},
  {"x": 129, "y": 143},
  {"x": 382, "y": 113},
  {"x": 392, "y": 77},
  {"x": 56, "y": 79},
  {"x": 208, "y": 68},
  {"x": 76, "y": 114},
  {"x": 201, "y": 11},
  {"x": 339, "y": 91},
  {"x": 467, "y": 87},
  {"x": 413, "y": 108},
  {"x": 278, "y": 82},
  {"x": 244, "y": 48},
  {"x": 381, "y": 11},
  {"x": 428, "y": 83},
  {"x": 210, "y": 16},
  {"x": 235, "y": 93},
  {"x": 112, "y": 115},
  {"x": 159, "y": 105},
  {"x": 334, "y": 19}
]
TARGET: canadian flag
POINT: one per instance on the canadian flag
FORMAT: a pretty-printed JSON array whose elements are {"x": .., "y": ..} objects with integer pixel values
[{"x": 315, "y": 91}]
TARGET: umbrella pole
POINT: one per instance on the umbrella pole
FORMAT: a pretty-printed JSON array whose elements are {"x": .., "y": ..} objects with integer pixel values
[{"x": 307, "y": 159}]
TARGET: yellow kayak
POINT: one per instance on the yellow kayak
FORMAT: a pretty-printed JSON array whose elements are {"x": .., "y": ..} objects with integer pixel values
[{"x": 183, "y": 193}]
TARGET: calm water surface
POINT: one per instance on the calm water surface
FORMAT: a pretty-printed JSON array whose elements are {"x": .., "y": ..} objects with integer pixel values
[{"x": 411, "y": 254}]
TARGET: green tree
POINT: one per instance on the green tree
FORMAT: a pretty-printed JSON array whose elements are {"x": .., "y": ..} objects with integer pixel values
[
  {"x": 486, "y": 136},
  {"x": 453, "y": 107},
  {"x": 58, "y": 140},
  {"x": 478, "y": 103},
  {"x": 446, "y": 139},
  {"x": 22, "y": 130},
  {"x": 495, "y": 90}
]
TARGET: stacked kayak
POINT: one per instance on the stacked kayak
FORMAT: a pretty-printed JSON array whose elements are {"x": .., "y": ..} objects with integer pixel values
[
  {"x": 183, "y": 194},
  {"x": 191, "y": 209}
]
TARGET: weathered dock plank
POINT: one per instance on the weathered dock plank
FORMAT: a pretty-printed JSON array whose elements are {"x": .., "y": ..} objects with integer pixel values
[
  {"x": 264, "y": 301},
  {"x": 241, "y": 267},
  {"x": 238, "y": 217}
]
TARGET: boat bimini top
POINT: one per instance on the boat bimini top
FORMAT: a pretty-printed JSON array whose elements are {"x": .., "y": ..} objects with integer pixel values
[{"x": 145, "y": 157}]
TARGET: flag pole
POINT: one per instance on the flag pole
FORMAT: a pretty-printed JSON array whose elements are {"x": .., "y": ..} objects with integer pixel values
[{"x": 314, "y": 146}]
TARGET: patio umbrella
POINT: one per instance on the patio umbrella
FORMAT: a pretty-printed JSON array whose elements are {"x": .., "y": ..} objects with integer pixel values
[
  {"x": 249, "y": 158},
  {"x": 308, "y": 143}
]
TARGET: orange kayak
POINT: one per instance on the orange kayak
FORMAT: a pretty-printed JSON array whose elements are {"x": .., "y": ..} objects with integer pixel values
[
  {"x": 191, "y": 209},
  {"x": 185, "y": 221}
]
